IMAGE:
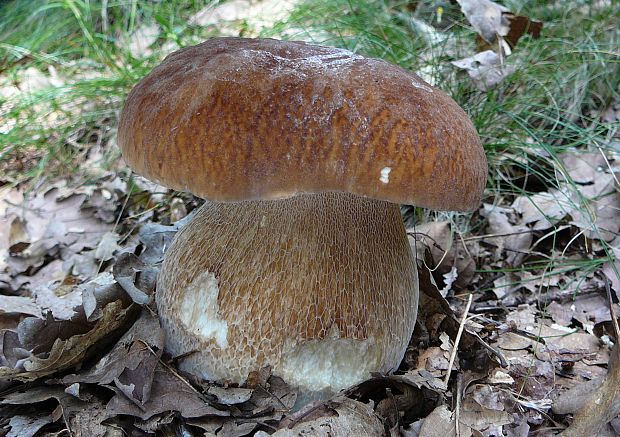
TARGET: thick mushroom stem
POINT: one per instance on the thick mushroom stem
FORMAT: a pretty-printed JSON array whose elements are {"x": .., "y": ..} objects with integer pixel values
[{"x": 321, "y": 287}]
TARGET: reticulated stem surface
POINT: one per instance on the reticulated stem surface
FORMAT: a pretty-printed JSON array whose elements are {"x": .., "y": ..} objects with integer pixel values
[{"x": 322, "y": 287}]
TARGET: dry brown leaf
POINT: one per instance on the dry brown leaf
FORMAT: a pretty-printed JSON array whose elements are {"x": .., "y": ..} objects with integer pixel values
[
  {"x": 28, "y": 426},
  {"x": 521, "y": 429},
  {"x": 107, "y": 246},
  {"x": 62, "y": 306},
  {"x": 230, "y": 395},
  {"x": 417, "y": 393},
  {"x": 82, "y": 418},
  {"x": 488, "y": 397},
  {"x": 499, "y": 376},
  {"x": 509, "y": 341},
  {"x": 50, "y": 225},
  {"x": 97, "y": 292},
  {"x": 344, "y": 418},
  {"x": 19, "y": 305},
  {"x": 104, "y": 197},
  {"x": 485, "y": 68},
  {"x": 512, "y": 241},
  {"x": 570, "y": 346},
  {"x": 535, "y": 378},
  {"x": 65, "y": 354},
  {"x": 584, "y": 167},
  {"x": 440, "y": 423},
  {"x": 130, "y": 365},
  {"x": 168, "y": 393},
  {"x": 601, "y": 221},
  {"x": 269, "y": 401},
  {"x": 542, "y": 210},
  {"x": 435, "y": 360},
  {"x": 486, "y": 17},
  {"x": 137, "y": 278},
  {"x": 591, "y": 171},
  {"x": 497, "y": 25},
  {"x": 63, "y": 220},
  {"x": 54, "y": 345},
  {"x": 521, "y": 25},
  {"x": 524, "y": 317},
  {"x": 157, "y": 238},
  {"x": 155, "y": 423},
  {"x": 505, "y": 286},
  {"x": 483, "y": 419},
  {"x": 587, "y": 309}
]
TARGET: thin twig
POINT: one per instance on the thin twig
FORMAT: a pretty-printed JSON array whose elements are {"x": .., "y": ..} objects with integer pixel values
[
  {"x": 173, "y": 371},
  {"x": 458, "y": 338},
  {"x": 502, "y": 235},
  {"x": 611, "y": 170},
  {"x": 457, "y": 409},
  {"x": 614, "y": 317}
]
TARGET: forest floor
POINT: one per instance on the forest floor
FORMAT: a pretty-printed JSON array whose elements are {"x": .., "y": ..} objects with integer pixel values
[{"x": 516, "y": 333}]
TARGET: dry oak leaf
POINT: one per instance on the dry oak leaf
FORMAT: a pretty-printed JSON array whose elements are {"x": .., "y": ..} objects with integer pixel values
[
  {"x": 130, "y": 365},
  {"x": 82, "y": 418},
  {"x": 339, "y": 417},
  {"x": 28, "y": 426},
  {"x": 64, "y": 352},
  {"x": 486, "y": 69},
  {"x": 168, "y": 393},
  {"x": 494, "y": 22}
]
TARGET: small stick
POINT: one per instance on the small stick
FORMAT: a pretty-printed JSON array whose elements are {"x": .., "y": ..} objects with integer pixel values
[
  {"x": 614, "y": 317},
  {"x": 459, "y": 396},
  {"x": 458, "y": 338}
]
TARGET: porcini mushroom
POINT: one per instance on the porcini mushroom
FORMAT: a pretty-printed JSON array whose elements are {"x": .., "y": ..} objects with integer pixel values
[{"x": 299, "y": 258}]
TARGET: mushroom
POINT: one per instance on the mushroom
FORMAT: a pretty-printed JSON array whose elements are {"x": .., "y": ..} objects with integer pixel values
[{"x": 299, "y": 259}]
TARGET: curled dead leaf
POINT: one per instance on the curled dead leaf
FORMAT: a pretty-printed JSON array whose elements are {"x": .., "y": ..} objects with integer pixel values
[
  {"x": 54, "y": 345},
  {"x": 340, "y": 417},
  {"x": 169, "y": 392},
  {"x": 131, "y": 364}
]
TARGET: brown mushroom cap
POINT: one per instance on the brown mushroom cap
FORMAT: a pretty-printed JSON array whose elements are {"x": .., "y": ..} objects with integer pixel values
[{"x": 240, "y": 119}]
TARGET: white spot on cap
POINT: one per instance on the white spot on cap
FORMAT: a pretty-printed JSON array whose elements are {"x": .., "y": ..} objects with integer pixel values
[{"x": 385, "y": 174}]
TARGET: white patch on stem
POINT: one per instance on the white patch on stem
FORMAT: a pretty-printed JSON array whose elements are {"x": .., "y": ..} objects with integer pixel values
[
  {"x": 331, "y": 362},
  {"x": 199, "y": 309}
]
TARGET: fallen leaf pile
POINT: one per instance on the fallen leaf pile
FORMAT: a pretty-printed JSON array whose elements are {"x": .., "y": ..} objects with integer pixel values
[
  {"x": 498, "y": 31},
  {"x": 81, "y": 347},
  {"x": 56, "y": 234},
  {"x": 96, "y": 364},
  {"x": 515, "y": 334},
  {"x": 531, "y": 340}
]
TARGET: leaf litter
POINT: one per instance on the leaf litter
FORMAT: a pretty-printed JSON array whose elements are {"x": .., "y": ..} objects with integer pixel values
[
  {"x": 81, "y": 348},
  {"x": 88, "y": 354},
  {"x": 498, "y": 31}
]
